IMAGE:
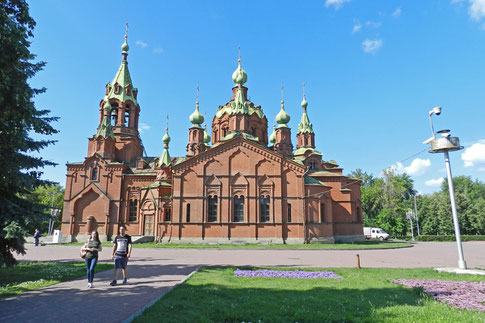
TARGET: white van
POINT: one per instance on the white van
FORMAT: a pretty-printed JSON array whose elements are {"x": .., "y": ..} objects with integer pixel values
[{"x": 375, "y": 233}]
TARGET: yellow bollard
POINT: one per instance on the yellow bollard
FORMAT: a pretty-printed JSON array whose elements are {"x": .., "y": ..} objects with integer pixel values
[{"x": 358, "y": 261}]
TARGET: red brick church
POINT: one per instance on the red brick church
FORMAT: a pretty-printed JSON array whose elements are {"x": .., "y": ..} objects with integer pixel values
[{"x": 236, "y": 184}]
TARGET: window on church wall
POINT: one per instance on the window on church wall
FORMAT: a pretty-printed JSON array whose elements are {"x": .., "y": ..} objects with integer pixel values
[
  {"x": 126, "y": 120},
  {"x": 117, "y": 88},
  {"x": 187, "y": 213},
  {"x": 133, "y": 211},
  {"x": 253, "y": 131},
  {"x": 289, "y": 213},
  {"x": 167, "y": 215},
  {"x": 322, "y": 212},
  {"x": 224, "y": 132},
  {"x": 264, "y": 208},
  {"x": 212, "y": 208},
  {"x": 238, "y": 208},
  {"x": 312, "y": 165},
  {"x": 94, "y": 174}
]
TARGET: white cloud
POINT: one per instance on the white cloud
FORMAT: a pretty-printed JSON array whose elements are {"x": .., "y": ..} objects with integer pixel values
[
  {"x": 396, "y": 13},
  {"x": 142, "y": 127},
  {"x": 337, "y": 4},
  {"x": 477, "y": 9},
  {"x": 356, "y": 28},
  {"x": 140, "y": 43},
  {"x": 371, "y": 46},
  {"x": 474, "y": 156},
  {"x": 434, "y": 182},
  {"x": 158, "y": 50},
  {"x": 418, "y": 167},
  {"x": 373, "y": 24}
]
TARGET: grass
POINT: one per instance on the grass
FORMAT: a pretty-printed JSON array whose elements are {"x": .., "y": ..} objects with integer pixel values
[
  {"x": 26, "y": 276},
  {"x": 213, "y": 294}
]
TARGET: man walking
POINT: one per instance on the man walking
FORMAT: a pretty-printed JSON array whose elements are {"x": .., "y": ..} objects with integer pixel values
[
  {"x": 121, "y": 253},
  {"x": 36, "y": 237}
]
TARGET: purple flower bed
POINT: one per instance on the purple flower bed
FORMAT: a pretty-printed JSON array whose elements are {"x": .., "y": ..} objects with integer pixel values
[
  {"x": 285, "y": 274},
  {"x": 463, "y": 295}
]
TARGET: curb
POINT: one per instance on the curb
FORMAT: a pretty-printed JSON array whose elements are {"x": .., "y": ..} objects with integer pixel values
[{"x": 149, "y": 304}]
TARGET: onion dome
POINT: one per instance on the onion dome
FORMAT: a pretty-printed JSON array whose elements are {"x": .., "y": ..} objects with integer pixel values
[
  {"x": 305, "y": 126},
  {"x": 207, "y": 138},
  {"x": 239, "y": 76},
  {"x": 304, "y": 104},
  {"x": 166, "y": 137},
  {"x": 196, "y": 118},
  {"x": 125, "y": 47},
  {"x": 282, "y": 118},
  {"x": 272, "y": 137}
]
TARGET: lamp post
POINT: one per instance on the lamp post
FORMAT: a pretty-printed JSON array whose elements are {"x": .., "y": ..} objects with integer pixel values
[
  {"x": 416, "y": 212},
  {"x": 444, "y": 145},
  {"x": 51, "y": 222},
  {"x": 410, "y": 215}
]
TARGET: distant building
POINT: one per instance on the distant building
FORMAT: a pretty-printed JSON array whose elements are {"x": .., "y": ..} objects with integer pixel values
[{"x": 239, "y": 186}]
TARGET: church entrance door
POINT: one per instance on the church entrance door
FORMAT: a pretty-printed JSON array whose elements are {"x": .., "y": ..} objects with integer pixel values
[{"x": 148, "y": 230}]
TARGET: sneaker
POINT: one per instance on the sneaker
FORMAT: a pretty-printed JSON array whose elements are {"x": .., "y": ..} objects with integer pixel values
[
  {"x": 113, "y": 283},
  {"x": 90, "y": 285},
  {"x": 125, "y": 281}
]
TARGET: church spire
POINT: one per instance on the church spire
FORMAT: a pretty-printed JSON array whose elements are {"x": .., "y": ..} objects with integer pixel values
[
  {"x": 165, "y": 159},
  {"x": 305, "y": 137},
  {"x": 282, "y": 118},
  {"x": 196, "y": 118},
  {"x": 105, "y": 130}
]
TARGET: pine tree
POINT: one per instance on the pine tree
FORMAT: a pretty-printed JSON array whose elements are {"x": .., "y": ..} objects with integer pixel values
[{"x": 19, "y": 119}]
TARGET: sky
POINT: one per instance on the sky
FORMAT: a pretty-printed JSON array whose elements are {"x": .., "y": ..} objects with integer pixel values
[{"x": 372, "y": 72}]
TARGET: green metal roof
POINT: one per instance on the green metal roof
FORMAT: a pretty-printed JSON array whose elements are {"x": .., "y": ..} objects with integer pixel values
[
  {"x": 123, "y": 79},
  {"x": 305, "y": 125},
  {"x": 240, "y": 134},
  {"x": 303, "y": 150},
  {"x": 105, "y": 130},
  {"x": 313, "y": 181}
]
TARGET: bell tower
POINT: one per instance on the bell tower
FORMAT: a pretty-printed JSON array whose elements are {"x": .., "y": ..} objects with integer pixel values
[
  {"x": 125, "y": 111},
  {"x": 305, "y": 137}
]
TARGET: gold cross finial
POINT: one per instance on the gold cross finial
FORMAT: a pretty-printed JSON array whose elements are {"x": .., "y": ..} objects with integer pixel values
[
  {"x": 281, "y": 93},
  {"x": 197, "y": 94},
  {"x": 126, "y": 32},
  {"x": 239, "y": 49},
  {"x": 167, "y": 124},
  {"x": 303, "y": 89}
]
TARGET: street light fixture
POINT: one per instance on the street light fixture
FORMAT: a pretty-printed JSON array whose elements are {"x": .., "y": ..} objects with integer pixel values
[{"x": 444, "y": 145}]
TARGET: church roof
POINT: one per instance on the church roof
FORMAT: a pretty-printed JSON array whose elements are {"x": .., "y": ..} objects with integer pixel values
[
  {"x": 305, "y": 126},
  {"x": 303, "y": 150},
  {"x": 313, "y": 181},
  {"x": 105, "y": 130}
]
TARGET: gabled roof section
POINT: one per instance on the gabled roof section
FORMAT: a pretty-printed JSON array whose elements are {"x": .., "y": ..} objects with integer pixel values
[
  {"x": 121, "y": 88},
  {"x": 313, "y": 181}
]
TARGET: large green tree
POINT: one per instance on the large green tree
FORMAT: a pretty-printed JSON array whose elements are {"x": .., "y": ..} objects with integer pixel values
[{"x": 19, "y": 119}]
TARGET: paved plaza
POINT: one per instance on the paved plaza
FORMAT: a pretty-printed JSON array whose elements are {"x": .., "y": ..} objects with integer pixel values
[{"x": 153, "y": 272}]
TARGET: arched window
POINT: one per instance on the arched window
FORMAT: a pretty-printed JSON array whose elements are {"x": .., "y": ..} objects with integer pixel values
[
  {"x": 224, "y": 132},
  {"x": 322, "y": 212},
  {"x": 289, "y": 212},
  {"x": 114, "y": 115},
  {"x": 94, "y": 174},
  {"x": 253, "y": 131},
  {"x": 312, "y": 165},
  {"x": 187, "y": 213},
  {"x": 133, "y": 210},
  {"x": 238, "y": 208},
  {"x": 126, "y": 120},
  {"x": 264, "y": 208},
  {"x": 212, "y": 208}
]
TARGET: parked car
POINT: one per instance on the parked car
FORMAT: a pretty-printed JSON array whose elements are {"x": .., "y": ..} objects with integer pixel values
[{"x": 375, "y": 233}]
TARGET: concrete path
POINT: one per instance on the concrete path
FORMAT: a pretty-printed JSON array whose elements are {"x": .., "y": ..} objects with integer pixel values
[{"x": 152, "y": 272}]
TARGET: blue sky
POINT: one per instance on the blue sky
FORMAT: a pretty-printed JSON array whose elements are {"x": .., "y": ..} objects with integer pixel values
[{"x": 372, "y": 69}]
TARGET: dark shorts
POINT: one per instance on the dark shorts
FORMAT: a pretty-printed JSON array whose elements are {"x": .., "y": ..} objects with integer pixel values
[{"x": 121, "y": 262}]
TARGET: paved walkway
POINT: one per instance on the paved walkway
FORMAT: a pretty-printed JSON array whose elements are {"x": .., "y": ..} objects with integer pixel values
[{"x": 152, "y": 272}]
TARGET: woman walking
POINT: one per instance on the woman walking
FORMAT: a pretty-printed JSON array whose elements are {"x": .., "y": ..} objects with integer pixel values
[{"x": 92, "y": 247}]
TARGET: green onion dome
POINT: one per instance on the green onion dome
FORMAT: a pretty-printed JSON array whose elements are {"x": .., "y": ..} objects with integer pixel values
[
  {"x": 207, "y": 138},
  {"x": 196, "y": 118},
  {"x": 166, "y": 137},
  {"x": 272, "y": 137},
  {"x": 125, "y": 47},
  {"x": 304, "y": 104},
  {"x": 282, "y": 117},
  {"x": 239, "y": 76}
]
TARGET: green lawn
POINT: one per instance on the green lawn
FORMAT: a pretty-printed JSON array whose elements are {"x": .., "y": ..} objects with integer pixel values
[
  {"x": 27, "y": 276},
  {"x": 213, "y": 294}
]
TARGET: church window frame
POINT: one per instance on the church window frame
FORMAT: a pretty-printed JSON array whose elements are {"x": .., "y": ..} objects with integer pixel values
[
  {"x": 238, "y": 208},
  {"x": 133, "y": 210},
  {"x": 212, "y": 203},
  {"x": 167, "y": 215},
  {"x": 94, "y": 174},
  {"x": 187, "y": 212},
  {"x": 322, "y": 212},
  {"x": 264, "y": 208},
  {"x": 288, "y": 214}
]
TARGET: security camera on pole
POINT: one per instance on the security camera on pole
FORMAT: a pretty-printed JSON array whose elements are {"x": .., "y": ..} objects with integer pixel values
[{"x": 444, "y": 145}]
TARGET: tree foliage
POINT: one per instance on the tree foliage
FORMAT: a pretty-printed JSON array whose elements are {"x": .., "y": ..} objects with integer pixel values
[
  {"x": 386, "y": 200},
  {"x": 19, "y": 119}
]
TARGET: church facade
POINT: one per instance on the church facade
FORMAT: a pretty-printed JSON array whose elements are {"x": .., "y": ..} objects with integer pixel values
[{"x": 235, "y": 183}]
